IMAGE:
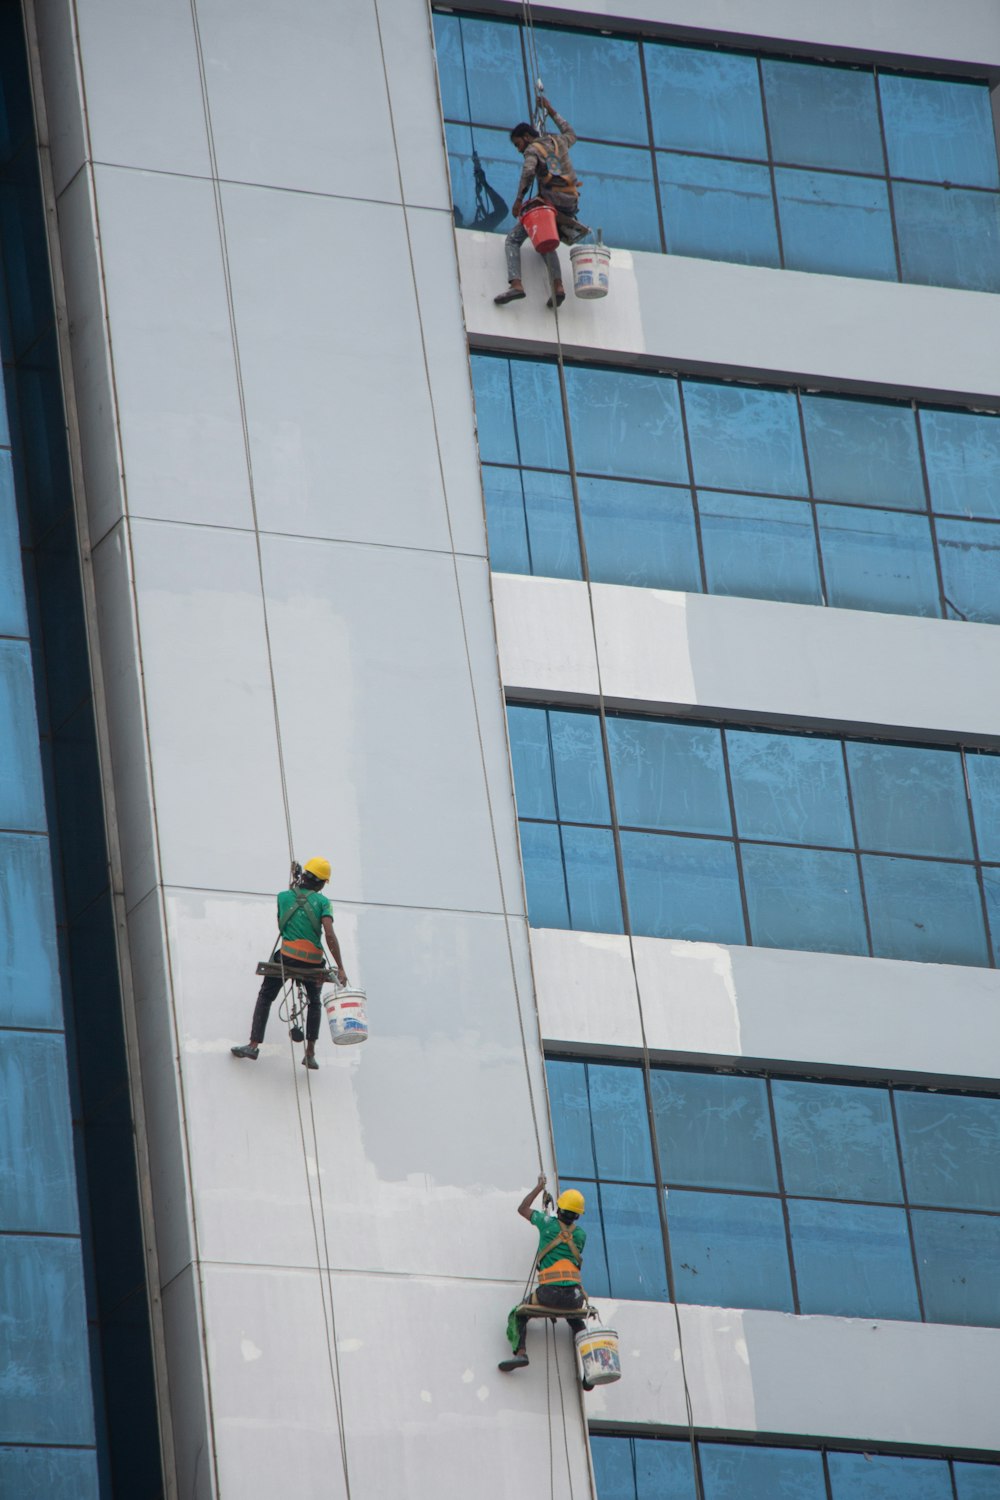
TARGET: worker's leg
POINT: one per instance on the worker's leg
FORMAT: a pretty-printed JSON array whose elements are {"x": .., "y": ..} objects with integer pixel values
[
  {"x": 265, "y": 999},
  {"x": 555, "y": 278},
  {"x": 516, "y": 1331},
  {"x": 313, "y": 989},
  {"x": 512, "y": 250}
]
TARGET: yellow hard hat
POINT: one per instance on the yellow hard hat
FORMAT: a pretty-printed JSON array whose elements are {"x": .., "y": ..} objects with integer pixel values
[
  {"x": 571, "y": 1201},
  {"x": 318, "y": 867}
]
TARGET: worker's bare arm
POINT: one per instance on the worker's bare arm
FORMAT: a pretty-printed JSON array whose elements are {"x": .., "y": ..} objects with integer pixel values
[
  {"x": 564, "y": 125},
  {"x": 524, "y": 1207},
  {"x": 334, "y": 947}
]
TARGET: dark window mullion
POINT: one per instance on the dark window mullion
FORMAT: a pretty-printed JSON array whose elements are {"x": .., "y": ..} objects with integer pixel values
[
  {"x": 984, "y": 904},
  {"x": 827, "y": 1481},
  {"x": 652, "y": 149},
  {"x": 888, "y": 178},
  {"x": 786, "y": 1220},
  {"x": 736, "y": 839},
  {"x": 906, "y": 1204},
  {"x": 857, "y": 850},
  {"x": 926, "y": 479},
  {"x": 812, "y": 497},
  {"x": 696, "y": 509},
  {"x": 770, "y": 161}
]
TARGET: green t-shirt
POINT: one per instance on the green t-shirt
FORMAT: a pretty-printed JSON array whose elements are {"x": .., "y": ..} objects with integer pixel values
[
  {"x": 300, "y": 938},
  {"x": 549, "y": 1230}
]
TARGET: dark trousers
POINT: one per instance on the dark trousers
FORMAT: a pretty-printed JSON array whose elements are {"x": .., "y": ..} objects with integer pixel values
[
  {"x": 559, "y": 1297},
  {"x": 268, "y": 993}
]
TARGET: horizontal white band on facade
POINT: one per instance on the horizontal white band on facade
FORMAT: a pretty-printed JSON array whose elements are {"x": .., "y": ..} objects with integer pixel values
[
  {"x": 747, "y": 321},
  {"x": 728, "y": 1003},
  {"x": 769, "y": 1372},
  {"x": 747, "y": 659}
]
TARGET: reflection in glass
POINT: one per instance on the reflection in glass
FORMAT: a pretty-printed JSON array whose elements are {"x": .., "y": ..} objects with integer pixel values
[
  {"x": 970, "y": 568},
  {"x": 569, "y": 1102},
  {"x": 836, "y": 1142},
  {"x": 668, "y": 775},
  {"x": 951, "y": 1149},
  {"x": 789, "y": 787},
  {"x": 640, "y": 534},
  {"x": 591, "y": 880},
  {"x": 633, "y": 1242},
  {"x": 594, "y": 82},
  {"x": 578, "y": 756},
  {"x": 991, "y": 890},
  {"x": 977, "y": 1481},
  {"x": 759, "y": 548},
  {"x": 626, "y": 424},
  {"x": 734, "y": 1472},
  {"x": 834, "y": 223},
  {"x": 909, "y": 798},
  {"x": 531, "y": 523},
  {"x": 962, "y": 449},
  {"x": 480, "y": 68},
  {"x": 544, "y": 877},
  {"x": 532, "y": 761},
  {"x": 621, "y": 1131},
  {"x": 705, "y": 100},
  {"x": 924, "y": 910},
  {"x": 618, "y": 194},
  {"x": 939, "y": 129},
  {"x": 494, "y": 410},
  {"x": 713, "y": 1130},
  {"x": 803, "y": 898},
  {"x": 878, "y": 559},
  {"x": 743, "y": 438},
  {"x": 852, "y": 1260},
  {"x": 948, "y": 236},
  {"x": 984, "y": 785},
  {"x": 883, "y": 1476},
  {"x": 682, "y": 888},
  {"x": 494, "y": 149},
  {"x": 22, "y": 803},
  {"x": 721, "y": 210},
  {"x": 728, "y": 1250},
  {"x": 957, "y": 1257},
  {"x": 541, "y": 436},
  {"x": 864, "y": 451},
  {"x": 821, "y": 116}
]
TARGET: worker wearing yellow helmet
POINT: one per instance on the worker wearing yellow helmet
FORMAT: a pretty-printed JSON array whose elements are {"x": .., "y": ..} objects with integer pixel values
[
  {"x": 305, "y": 917},
  {"x": 560, "y": 1253}
]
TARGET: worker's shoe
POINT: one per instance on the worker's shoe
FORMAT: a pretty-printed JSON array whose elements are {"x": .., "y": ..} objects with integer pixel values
[
  {"x": 516, "y": 1362},
  {"x": 309, "y": 1061},
  {"x": 586, "y": 1385},
  {"x": 514, "y": 293},
  {"x": 559, "y": 293},
  {"x": 250, "y": 1049}
]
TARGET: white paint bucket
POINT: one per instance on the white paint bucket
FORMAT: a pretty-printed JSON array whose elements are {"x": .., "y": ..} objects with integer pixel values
[
  {"x": 591, "y": 270},
  {"x": 346, "y": 1011},
  {"x": 598, "y": 1351}
]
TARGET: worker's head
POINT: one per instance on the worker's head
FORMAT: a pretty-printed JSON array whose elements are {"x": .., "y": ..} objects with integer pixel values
[
  {"x": 522, "y": 135},
  {"x": 569, "y": 1206},
  {"x": 315, "y": 874}
]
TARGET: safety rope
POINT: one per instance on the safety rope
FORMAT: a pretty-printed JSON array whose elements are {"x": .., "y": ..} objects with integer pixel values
[{"x": 329, "y": 1321}]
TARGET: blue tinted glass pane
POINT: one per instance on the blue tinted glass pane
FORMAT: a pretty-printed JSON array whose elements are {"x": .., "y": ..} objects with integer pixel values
[
  {"x": 640, "y": 534},
  {"x": 541, "y": 436},
  {"x": 662, "y": 1469},
  {"x": 29, "y": 966},
  {"x": 37, "y": 1177},
  {"x": 56, "y": 1474},
  {"x": 581, "y": 780},
  {"x": 823, "y": 117},
  {"x": 44, "y": 1331},
  {"x": 595, "y": 1271},
  {"x": 909, "y": 798},
  {"x": 494, "y": 409},
  {"x": 732, "y": 1472},
  {"x": 506, "y": 524},
  {"x": 705, "y": 101},
  {"x": 977, "y": 1481},
  {"x": 682, "y": 888},
  {"x": 668, "y": 775},
  {"x": 728, "y": 1251},
  {"x": 984, "y": 783},
  {"x": 957, "y": 1257},
  {"x": 481, "y": 71},
  {"x": 531, "y": 523},
  {"x": 970, "y": 568},
  {"x": 951, "y": 1149},
  {"x": 852, "y": 1260},
  {"x": 991, "y": 887},
  {"x": 592, "y": 879},
  {"x": 714, "y": 1130},
  {"x": 878, "y": 559},
  {"x": 745, "y": 439},
  {"x": 621, "y": 1126},
  {"x": 790, "y": 788},
  {"x": 938, "y": 129},
  {"x": 925, "y": 911},
  {"x": 864, "y": 451},
  {"x": 835, "y": 223},
  {"x": 633, "y": 1243},
  {"x": 22, "y": 805},
  {"x": 722, "y": 210},
  {"x": 13, "y": 620},
  {"x": 614, "y": 1475},
  {"x": 836, "y": 1141},
  {"x": 803, "y": 898},
  {"x": 626, "y": 425},
  {"x": 532, "y": 762},
  {"x": 962, "y": 449},
  {"x": 494, "y": 149},
  {"x": 948, "y": 236},
  {"x": 880, "y": 1476},
  {"x": 594, "y": 82},
  {"x": 544, "y": 877},
  {"x": 617, "y": 194},
  {"x": 570, "y": 1105},
  {"x": 759, "y": 548}
]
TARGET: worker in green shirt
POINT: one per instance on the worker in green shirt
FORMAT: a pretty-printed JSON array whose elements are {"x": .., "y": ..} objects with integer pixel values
[
  {"x": 305, "y": 917},
  {"x": 560, "y": 1253}
]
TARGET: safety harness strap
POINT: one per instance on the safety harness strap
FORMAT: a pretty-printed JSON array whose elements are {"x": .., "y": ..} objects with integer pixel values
[{"x": 302, "y": 903}]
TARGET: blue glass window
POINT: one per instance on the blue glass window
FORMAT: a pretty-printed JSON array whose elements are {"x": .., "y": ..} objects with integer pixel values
[
  {"x": 682, "y": 888},
  {"x": 834, "y": 223},
  {"x": 618, "y": 1115},
  {"x": 56, "y": 1474},
  {"x": 22, "y": 805},
  {"x": 494, "y": 410},
  {"x": 804, "y": 898},
  {"x": 970, "y": 568},
  {"x": 13, "y": 620},
  {"x": 591, "y": 879},
  {"x": 668, "y": 776},
  {"x": 617, "y": 194},
  {"x": 823, "y": 117},
  {"x": 531, "y": 758},
  {"x": 728, "y": 1250},
  {"x": 977, "y": 1481},
  {"x": 948, "y": 236},
  {"x": 532, "y": 526},
  {"x": 991, "y": 891},
  {"x": 836, "y": 1142},
  {"x": 984, "y": 785},
  {"x": 735, "y": 1472},
  {"x": 494, "y": 149},
  {"x": 626, "y": 425},
  {"x": 714, "y": 1130},
  {"x": 544, "y": 876},
  {"x": 789, "y": 788},
  {"x": 909, "y": 799},
  {"x": 745, "y": 439},
  {"x": 924, "y": 910},
  {"x": 865, "y": 451},
  {"x": 633, "y": 1245},
  {"x": 882, "y": 1476},
  {"x": 481, "y": 70},
  {"x": 35, "y": 1126},
  {"x": 639, "y": 534},
  {"x": 541, "y": 437},
  {"x": 852, "y": 1260},
  {"x": 29, "y": 966},
  {"x": 594, "y": 81},
  {"x": 569, "y": 1101},
  {"x": 578, "y": 756},
  {"x": 759, "y": 548},
  {"x": 957, "y": 1256},
  {"x": 962, "y": 449},
  {"x": 878, "y": 559},
  {"x": 951, "y": 1149},
  {"x": 940, "y": 130},
  {"x": 720, "y": 210},
  {"x": 705, "y": 101},
  {"x": 44, "y": 1331}
]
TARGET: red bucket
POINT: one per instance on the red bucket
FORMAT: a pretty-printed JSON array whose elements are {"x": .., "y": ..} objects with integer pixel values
[{"x": 540, "y": 223}]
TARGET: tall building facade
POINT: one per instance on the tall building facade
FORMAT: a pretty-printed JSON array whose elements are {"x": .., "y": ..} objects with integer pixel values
[{"x": 633, "y": 663}]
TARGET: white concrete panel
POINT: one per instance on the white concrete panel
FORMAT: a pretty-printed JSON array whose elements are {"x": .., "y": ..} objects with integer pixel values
[
  {"x": 426, "y": 1411},
  {"x": 380, "y": 737},
  {"x": 407, "y": 38},
  {"x": 423, "y": 1140},
  {"x": 731, "y": 1002},
  {"x": 211, "y": 726},
  {"x": 193, "y": 1436},
  {"x": 143, "y": 91},
  {"x": 750, "y": 320},
  {"x": 769, "y": 1372},
  {"x": 123, "y": 685},
  {"x": 664, "y": 650},
  {"x": 969, "y": 32},
  {"x": 62, "y": 86},
  {"x": 178, "y": 406}
]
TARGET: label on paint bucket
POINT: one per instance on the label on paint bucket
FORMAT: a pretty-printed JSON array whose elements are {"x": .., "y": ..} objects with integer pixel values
[
  {"x": 599, "y": 1356},
  {"x": 347, "y": 1015}
]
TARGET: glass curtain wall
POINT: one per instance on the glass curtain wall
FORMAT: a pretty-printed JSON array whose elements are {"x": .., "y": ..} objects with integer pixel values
[
  {"x": 854, "y": 170},
  {"x": 768, "y": 493}
]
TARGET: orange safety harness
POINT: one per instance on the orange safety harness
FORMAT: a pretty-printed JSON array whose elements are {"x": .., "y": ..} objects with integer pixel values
[{"x": 562, "y": 1270}]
